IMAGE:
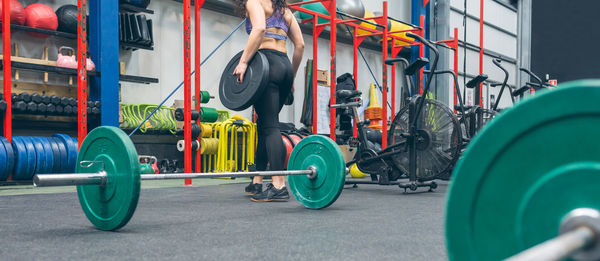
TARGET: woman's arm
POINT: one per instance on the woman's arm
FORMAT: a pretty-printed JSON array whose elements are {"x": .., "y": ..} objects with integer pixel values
[
  {"x": 295, "y": 35},
  {"x": 256, "y": 14}
]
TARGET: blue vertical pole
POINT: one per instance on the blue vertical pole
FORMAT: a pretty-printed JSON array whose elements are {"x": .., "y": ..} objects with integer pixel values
[
  {"x": 417, "y": 9},
  {"x": 104, "y": 50}
]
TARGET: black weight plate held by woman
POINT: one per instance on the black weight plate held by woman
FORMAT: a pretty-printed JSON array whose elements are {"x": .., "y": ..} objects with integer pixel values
[{"x": 236, "y": 95}]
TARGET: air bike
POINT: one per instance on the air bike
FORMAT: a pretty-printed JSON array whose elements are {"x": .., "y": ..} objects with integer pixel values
[{"x": 424, "y": 140}]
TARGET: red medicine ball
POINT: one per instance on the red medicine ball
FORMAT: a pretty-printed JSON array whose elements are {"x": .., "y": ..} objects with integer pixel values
[
  {"x": 41, "y": 16},
  {"x": 17, "y": 13}
]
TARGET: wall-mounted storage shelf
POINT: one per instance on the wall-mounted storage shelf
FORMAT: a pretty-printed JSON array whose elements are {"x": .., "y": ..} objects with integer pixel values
[
  {"x": 41, "y": 31},
  {"x": 137, "y": 79},
  {"x": 134, "y": 9},
  {"x": 133, "y": 47}
]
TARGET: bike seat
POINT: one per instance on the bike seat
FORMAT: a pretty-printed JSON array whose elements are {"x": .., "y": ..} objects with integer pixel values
[
  {"x": 476, "y": 81},
  {"x": 347, "y": 94},
  {"x": 416, "y": 65}
]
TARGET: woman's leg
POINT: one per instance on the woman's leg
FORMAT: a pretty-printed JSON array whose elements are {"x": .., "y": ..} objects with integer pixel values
[{"x": 267, "y": 109}]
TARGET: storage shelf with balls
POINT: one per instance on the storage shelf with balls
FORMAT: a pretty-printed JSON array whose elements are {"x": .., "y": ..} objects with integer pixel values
[{"x": 41, "y": 31}]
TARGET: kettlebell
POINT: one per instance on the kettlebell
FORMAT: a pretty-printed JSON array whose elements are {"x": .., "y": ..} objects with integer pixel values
[{"x": 66, "y": 60}]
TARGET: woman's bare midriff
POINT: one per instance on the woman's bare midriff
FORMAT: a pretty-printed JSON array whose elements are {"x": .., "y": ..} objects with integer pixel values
[{"x": 270, "y": 43}]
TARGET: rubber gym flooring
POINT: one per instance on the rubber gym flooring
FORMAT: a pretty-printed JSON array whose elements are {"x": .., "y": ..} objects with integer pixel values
[{"x": 215, "y": 220}]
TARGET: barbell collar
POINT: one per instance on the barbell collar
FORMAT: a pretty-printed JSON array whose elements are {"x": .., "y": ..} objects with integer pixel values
[{"x": 578, "y": 239}]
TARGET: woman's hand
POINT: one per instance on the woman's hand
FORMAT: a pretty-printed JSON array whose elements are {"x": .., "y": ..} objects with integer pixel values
[{"x": 240, "y": 70}]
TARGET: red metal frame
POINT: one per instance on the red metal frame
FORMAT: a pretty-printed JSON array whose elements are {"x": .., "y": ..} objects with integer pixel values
[
  {"x": 81, "y": 71},
  {"x": 197, "y": 60},
  {"x": 187, "y": 90},
  {"x": 7, "y": 70}
]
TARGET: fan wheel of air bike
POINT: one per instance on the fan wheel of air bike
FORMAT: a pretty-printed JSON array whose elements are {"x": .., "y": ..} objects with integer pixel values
[{"x": 438, "y": 145}]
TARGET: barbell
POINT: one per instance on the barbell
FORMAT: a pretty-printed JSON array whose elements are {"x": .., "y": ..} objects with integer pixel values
[
  {"x": 108, "y": 176},
  {"x": 527, "y": 186}
]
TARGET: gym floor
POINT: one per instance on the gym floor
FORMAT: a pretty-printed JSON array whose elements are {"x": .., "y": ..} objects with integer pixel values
[{"x": 215, "y": 220}]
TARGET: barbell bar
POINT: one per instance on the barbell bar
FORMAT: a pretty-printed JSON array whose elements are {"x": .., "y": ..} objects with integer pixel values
[
  {"x": 108, "y": 175},
  {"x": 578, "y": 239},
  {"x": 99, "y": 178}
]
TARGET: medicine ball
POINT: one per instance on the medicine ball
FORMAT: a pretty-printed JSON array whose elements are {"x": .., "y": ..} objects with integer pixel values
[
  {"x": 17, "y": 13},
  {"x": 41, "y": 16},
  {"x": 67, "y": 18},
  {"x": 139, "y": 3}
]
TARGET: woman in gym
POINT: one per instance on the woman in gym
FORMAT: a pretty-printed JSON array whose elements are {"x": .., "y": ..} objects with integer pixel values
[{"x": 269, "y": 24}]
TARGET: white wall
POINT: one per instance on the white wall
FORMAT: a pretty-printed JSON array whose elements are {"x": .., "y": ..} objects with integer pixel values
[
  {"x": 166, "y": 61},
  {"x": 493, "y": 39}
]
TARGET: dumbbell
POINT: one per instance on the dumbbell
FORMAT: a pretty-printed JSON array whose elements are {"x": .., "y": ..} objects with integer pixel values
[
  {"x": 59, "y": 110},
  {"x": 31, "y": 107},
  {"x": 25, "y": 97},
  {"x": 95, "y": 104},
  {"x": 68, "y": 110},
  {"x": 36, "y": 98},
  {"x": 95, "y": 111},
  {"x": 50, "y": 108},
  {"x": 55, "y": 100},
  {"x": 179, "y": 114},
  {"x": 42, "y": 108},
  {"x": 3, "y": 105},
  {"x": 19, "y": 107},
  {"x": 72, "y": 102},
  {"x": 45, "y": 99}
]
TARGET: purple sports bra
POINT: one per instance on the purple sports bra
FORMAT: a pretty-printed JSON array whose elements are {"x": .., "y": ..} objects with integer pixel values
[{"x": 276, "y": 20}]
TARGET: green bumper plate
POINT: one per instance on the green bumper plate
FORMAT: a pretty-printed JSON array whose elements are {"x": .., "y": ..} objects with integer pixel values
[
  {"x": 111, "y": 206},
  {"x": 524, "y": 172},
  {"x": 322, "y": 153}
]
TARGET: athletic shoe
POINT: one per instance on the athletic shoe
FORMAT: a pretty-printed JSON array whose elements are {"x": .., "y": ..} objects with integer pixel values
[
  {"x": 253, "y": 189},
  {"x": 271, "y": 194}
]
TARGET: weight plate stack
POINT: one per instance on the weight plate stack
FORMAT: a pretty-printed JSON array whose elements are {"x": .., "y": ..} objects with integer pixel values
[
  {"x": 71, "y": 150},
  {"x": 524, "y": 172},
  {"x": 31, "y": 158},
  {"x": 3, "y": 163},
  {"x": 20, "y": 158},
  {"x": 40, "y": 162},
  {"x": 111, "y": 206},
  {"x": 64, "y": 156},
  {"x": 10, "y": 156},
  {"x": 56, "y": 167}
]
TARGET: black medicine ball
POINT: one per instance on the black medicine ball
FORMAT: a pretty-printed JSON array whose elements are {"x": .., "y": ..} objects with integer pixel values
[{"x": 67, "y": 18}]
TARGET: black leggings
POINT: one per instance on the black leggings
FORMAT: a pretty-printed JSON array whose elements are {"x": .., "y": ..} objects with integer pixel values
[{"x": 270, "y": 145}]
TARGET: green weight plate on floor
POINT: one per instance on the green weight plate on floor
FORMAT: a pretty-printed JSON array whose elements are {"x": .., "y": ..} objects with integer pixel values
[
  {"x": 325, "y": 155},
  {"x": 111, "y": 206},
  {"x": 10, "y": 155},
  {"x": 524, "y": 172}
]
